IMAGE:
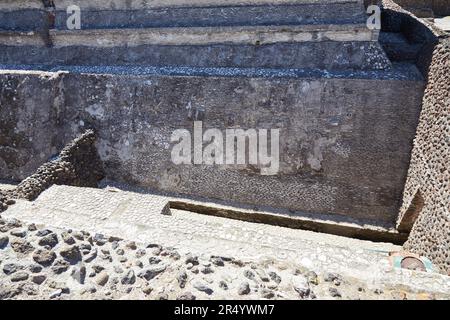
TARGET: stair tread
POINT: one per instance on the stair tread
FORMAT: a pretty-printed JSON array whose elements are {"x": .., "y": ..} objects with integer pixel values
[
  {"x": 399, "y": 71},
  {"x": 139, "y": 4}
]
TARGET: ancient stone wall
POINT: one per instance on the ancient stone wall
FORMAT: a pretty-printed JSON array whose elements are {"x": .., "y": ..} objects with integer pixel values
[
  {"x": 326, "y": 124},
  {"x": 425, "y": 211},
  {"x": 78, "y": 164},
  {"x": 427, "y": 191}
]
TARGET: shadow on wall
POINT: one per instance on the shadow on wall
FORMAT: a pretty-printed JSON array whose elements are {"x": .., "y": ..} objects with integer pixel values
[{"x": 425, "y": 211}]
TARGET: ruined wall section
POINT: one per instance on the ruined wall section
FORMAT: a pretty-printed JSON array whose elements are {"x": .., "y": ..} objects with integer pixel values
[
  {"x": 425, "y": 211},
  {"x": 427, "y": 191}
]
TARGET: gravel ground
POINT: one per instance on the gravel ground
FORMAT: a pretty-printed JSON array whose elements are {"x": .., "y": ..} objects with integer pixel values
[{"x": 37, "y": 262}]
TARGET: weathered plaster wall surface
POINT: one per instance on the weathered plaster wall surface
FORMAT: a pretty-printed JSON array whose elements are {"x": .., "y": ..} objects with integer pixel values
[
  {"x": 345, "y": 143},
  {"x": 29, "y": 115}
]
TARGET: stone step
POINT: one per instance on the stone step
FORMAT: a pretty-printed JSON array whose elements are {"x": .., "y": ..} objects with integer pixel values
[
  {"x": 138, "y": 14},
  {"x": 334, "y": 47}
]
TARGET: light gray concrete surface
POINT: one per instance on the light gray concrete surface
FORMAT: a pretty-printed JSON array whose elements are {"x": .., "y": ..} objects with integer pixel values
[
  {"x": 137, "y": 216},
  {"x": 443, "y": 23}
]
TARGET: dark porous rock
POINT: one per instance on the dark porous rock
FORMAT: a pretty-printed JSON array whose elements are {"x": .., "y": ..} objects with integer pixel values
[
  {"x": 91, "y": 256},
  {"x": 140, "y": 253},
  {"x": 182, "y": 278},
  {"x": 267, "y": 293},
  {"x": 151, "y": 272},
  {"x": 20, "y": 233},
  {"x": 19, "y": 276},
  {"x": 10, "y": 268},
  {"x": 244, "y": 288},
  {"x": 162, "y": 296},
  {"x": 67, "y": 238},
  {"x": 331, "y": 277},
  {"x": 334, "y": 292},
  {"x": 32, "y": 227},
  {"x": 312, "y": 278},
  {"x": 170, "y": 252},
  {"x": 50, "y": 240},
  {"x": 301, "y": 285},
  {"x": 120, "y": 252},
  {"x": 203, "y": 287},
  {"x": 38, "y": 278},
  {"x": 34, "y": 268},
  {"x": 22, "y": 246},
  {"x": 44, "y": 257},
  {"x": 4, "y": 240},
  {"x": 223, "y": 285},
  {"x": 206, "y": 270},
  {"x": 131, "y": 245},
  {"x": 154, "y": 260},
  {"x": 70, "y": 253},
  {"x": 97, "y": 268},
  {"x": 217, "y": 261},
  {"x": 186, "y": 296},
  {"x": 191, "y": 259},
  {"x": 275, "y": 277},
  {"x": 99, "y": 239},
  {"x": 85, "y": 247},
  {"x": 60, "y": 266},
  {"x": 249, "y": 274},
  {"x": 128, "y": 278},
  {"x": 43, "y": 232}
]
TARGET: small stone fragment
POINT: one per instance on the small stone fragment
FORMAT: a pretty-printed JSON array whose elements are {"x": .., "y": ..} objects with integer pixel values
[
  {"x": 186, "y": 296},
  {"x": 44, "y": 257},
  {"x": 102, "y": 278},
  {"x": 182, "y": 278},
  {"x": 203, "y": 287},
  {"x": 129, "y": 278},
  {"x": 50, "y": 240},
  {"x": 70, "y": 253},
  {"x": 19, "y": 276},
  {"x": 244, "y": 288}
]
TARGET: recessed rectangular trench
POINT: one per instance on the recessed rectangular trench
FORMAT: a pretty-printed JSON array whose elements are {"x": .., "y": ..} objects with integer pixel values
[{"x": 294, "y": 221}]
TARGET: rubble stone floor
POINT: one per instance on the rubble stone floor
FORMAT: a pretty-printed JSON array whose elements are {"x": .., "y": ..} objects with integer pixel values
[{"x": 81, "y": 243}]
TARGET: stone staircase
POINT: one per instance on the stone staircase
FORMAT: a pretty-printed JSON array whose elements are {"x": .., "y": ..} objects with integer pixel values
[
  {"x": 266, "y": 34},
  {"x": 137, "y": 70}
]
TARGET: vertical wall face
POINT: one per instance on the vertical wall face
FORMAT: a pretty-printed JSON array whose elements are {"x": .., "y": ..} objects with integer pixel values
[
  {"x": 427, "y": 192},
  {"x": 28, "y": 119},
  {"x": 344, "y": 143}
]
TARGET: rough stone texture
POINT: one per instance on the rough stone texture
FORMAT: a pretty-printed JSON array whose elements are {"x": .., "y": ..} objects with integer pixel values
[
  {"x": 427, "y": 190},
  {"x": 326, "y": 124},
  {"x": 342, "y": 269},
  {"x": 78, "y": 164},
  {"x": 425, "y": 210}
]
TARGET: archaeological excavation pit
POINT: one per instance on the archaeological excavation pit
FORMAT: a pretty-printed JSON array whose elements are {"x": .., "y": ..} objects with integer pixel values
[{"x": 362, "y": 115}]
